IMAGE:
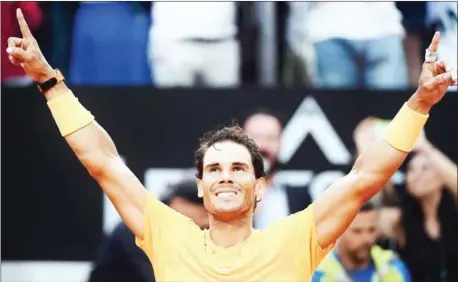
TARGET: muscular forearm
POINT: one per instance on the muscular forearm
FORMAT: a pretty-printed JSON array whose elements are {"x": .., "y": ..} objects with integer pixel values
[
  {"x": 373, "y": 168},
  {"x": 91, "y": 144},
  {"x": 376, "y": 165},
  {"x": 88, "y": 140},
  {"x": 97, "y": 152}
]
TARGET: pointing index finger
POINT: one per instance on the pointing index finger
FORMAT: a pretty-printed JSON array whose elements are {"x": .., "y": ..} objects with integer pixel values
[
  {"x": 25, "y": 30},
  {"x": 434, "y": 42}
]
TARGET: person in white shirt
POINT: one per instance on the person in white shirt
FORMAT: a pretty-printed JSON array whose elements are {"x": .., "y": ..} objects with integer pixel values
[
  {"x": 355, "y": 44},
  {"x": 192, "y": 43}
]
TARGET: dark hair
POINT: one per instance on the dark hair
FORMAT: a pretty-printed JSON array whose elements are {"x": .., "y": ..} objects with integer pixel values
[
  {"x": 368, "y": 206},
  {"x": 185, "y": 189},
  {"x": 235, "y": 134},
  {"x": 418, "y": 244}
]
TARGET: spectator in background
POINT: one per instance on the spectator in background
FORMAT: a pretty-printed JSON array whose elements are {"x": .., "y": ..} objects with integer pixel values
[
  {"x": 297, "y": 68},
  {"x": 11, "y": 74},
  {"x": 414, "y": 15},
  {"x": 61, "y": 18},
  {"x": 109, "y": 44},
  {"x": 194, "y": 43},
  {"x": 356, "y": 44},
  {"x": 357, "y": 257},
  {"x": 426, "y": 223},
  {"x": 278, "y": 201},
  {"x": 120, "y": 260}
]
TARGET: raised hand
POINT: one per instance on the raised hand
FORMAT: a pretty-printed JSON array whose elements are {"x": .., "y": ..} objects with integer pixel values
[
  {"x": 26, "y": 53},
  {"x": 435, "y": 78}
]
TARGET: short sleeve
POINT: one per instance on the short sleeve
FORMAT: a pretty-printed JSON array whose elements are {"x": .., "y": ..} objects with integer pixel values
[
  {"x": 161, "y": 224},
  {"x": 299, "y": 231}
]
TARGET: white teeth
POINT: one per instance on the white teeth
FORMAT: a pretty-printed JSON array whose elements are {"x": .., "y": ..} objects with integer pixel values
[{"x": 225, "y": 194}]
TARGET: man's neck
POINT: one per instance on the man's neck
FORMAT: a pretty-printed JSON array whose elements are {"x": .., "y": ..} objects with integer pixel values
[
  {"x": 230, "y": 233},
  {"x": 350, "y": 263}
]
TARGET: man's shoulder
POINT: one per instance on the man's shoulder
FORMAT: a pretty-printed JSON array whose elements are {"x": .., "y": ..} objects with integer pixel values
[{"x": 299, "y": 220}]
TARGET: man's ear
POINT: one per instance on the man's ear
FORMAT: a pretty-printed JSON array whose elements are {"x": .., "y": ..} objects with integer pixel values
[
  {"x": 200, "y": 189},
  {"x": 260, "y": 187}
]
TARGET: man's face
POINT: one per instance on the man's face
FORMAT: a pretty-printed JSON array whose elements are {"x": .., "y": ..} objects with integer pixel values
[
  {"x": 266, "y": 132},
  {"x": 360, "y": 236},
  {"x": 196, "y": 212},
  {"x": 228, "y": 183},
  {"x": 421, "y": 177}
]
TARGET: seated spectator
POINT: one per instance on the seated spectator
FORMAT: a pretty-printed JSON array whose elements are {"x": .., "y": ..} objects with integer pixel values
[
  {"x": 109, "y": 44},
  {"x": 120, "y": 260},
  {"x": 194, "y": 43},
  {"x": 426, "y": 223},
  {"x": 357, "y": 257},
  {"x": 356, "y": 44}
]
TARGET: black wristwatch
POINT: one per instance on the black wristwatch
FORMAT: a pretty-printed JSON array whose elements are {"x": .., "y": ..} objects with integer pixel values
[{"x": 50, "y": 83}]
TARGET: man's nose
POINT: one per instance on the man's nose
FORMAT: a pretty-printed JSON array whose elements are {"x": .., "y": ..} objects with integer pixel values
[
  {"x": 368, "y": 238},
  {"x": 226, "y": 177}
]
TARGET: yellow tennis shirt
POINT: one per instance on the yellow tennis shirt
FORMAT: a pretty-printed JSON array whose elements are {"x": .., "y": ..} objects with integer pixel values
[{"x": 180, "y": 251}]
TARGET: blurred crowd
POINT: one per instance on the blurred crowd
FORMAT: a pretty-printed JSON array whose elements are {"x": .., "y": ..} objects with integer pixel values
[
  {"x": 406, "y": 234},
  {"x": 370, "y": 45}
]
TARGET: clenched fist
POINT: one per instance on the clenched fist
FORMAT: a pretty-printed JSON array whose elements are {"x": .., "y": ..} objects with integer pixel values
[{"x": 26, "y": 53}]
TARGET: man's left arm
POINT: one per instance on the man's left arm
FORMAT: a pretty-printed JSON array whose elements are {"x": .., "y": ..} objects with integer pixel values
[{"x": 338, "y": 206}]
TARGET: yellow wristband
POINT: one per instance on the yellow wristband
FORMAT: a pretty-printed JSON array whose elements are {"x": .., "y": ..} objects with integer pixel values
[
  {"x": 69, "y": 114},
  {"x": 404, "y": 129}
]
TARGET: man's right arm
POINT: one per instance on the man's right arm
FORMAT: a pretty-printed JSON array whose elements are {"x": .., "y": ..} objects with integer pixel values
[
  {"x": 94, "y": 148},
  {"x": 144, "y": 215},
  {"x": 153, "y": 223}
]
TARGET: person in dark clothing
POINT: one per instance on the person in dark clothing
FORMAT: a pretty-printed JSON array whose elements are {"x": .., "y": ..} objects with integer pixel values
[
  {"x": 279, "y": 200},
  {"x": 426, "y": 223},
  {"x": 109, "y": 44},
  {"x": 120, "y": 260}
]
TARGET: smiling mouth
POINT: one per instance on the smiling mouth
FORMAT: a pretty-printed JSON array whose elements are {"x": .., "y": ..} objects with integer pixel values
[{"x": 226, "y": 193}]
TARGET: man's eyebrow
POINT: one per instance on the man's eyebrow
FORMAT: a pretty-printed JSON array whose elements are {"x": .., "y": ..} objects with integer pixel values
[
  {"x": 212, "y": 164},
  {"x": 234, "y": 163},
  {"x": 240, "y": 164}
]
